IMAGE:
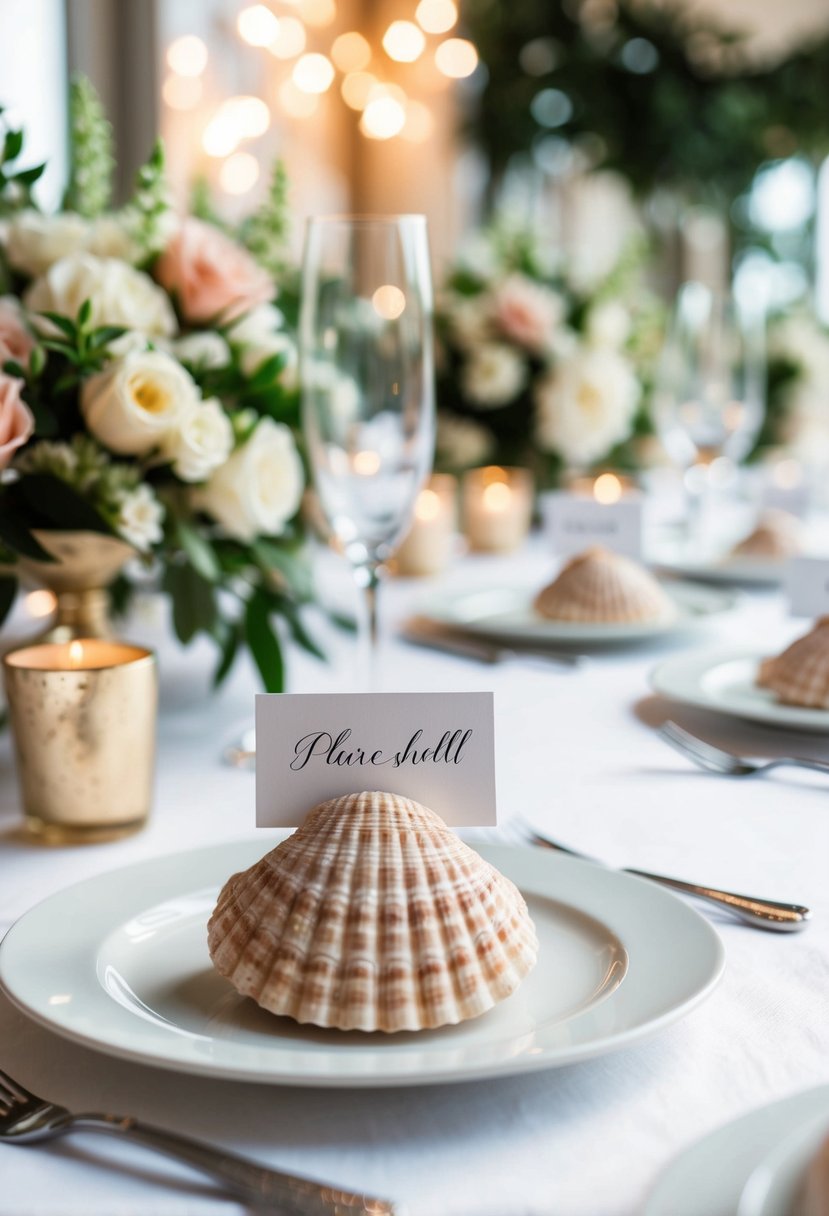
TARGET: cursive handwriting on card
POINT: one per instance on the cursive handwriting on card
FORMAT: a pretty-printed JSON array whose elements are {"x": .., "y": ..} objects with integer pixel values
[{"x": 332, "y": 750}]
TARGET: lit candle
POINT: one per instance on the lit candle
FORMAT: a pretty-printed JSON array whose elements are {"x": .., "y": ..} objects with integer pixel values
[
  {"x": 607, "y": 487},
  {"x": 497, "y": 508},
  {"x": 83, "y": 718},
  {"x": 427, "y": 549}
]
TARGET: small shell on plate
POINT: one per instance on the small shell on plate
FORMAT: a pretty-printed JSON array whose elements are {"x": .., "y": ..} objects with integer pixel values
[
  {"x": 604, "y": 587},
  {"x": 800, "y": 675},
  {"x": 373, "y": 916},
  {"x": 776, "y": 537}
]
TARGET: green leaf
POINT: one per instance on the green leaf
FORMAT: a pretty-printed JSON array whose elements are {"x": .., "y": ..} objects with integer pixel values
[
  {"x": 84, "y": 314},
  {"x": 8, "y": 590},
  {"x": 348, "y": 624},
  {"x": 29, "y": 176},
  {"x": 267, "y": 371},
  {"x": 63, "y": 323},
  {"x": 18, "y": 537},
  {"x": 300, "y": 634},
  {"x": 263, "y": 643},
  {"x": 229, "y": 650},
  {"x": 12, "y": 145},
  {"x": 270, "y": 556},
  {"x": 194, "y": 603},
  {"x": 37, "y": 361},
  {"x": 106, "y": 334},
  {"x": 54, "y": 504},
  {"x": 200, "y": 553},
  {"x": 13, "y": 368}
]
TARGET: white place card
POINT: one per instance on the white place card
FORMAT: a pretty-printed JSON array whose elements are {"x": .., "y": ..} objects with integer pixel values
[
  {"x": 807, "y": 584},
  {"x": 574, "y": 522},
  {"x": 437, "y": 748}
]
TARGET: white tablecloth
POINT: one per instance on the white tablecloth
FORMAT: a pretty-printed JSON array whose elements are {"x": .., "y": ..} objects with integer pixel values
[{"x": 577, "y": 753}]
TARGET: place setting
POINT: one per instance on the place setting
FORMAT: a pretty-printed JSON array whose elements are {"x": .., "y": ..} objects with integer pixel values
[{"x": 415, "y": 611}]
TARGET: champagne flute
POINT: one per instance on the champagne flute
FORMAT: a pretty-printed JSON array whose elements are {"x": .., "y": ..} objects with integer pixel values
[
  {"x": 710, "y": 388},
  {"x": 367, "y": 377}
]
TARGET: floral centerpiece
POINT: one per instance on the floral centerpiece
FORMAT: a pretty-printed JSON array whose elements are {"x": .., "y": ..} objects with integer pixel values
[
  {"x": 148, "y": 392},
  {"x": 798, "y": 390},
  {"x": 537, "y": 368}
]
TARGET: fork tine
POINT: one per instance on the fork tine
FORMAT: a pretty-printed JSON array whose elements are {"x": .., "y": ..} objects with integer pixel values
[
  {"x": 705, "y": 760},
  {"x": 12, "y": 1091},
  {"x": 701, "y": 745}
]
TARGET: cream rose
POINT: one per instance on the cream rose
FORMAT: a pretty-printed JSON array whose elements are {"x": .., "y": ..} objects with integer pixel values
[
  {"x": 608, "y": 325},
  {"x": 16, "y": 420},
  {"x": 15, "y": 340},
  {"x": 136, "y": 401},
  {"x": 119, "y": 294},
  {"x": 493, "y": 375},
  {"x": 34, "y": 242},
  {"x": 203, "y": 349},
  {"x": 256, "y": 326},
  {"x": 210, "y": 275},
  {"x": 259, "y": 488},
  {"x": 586, "y": 404},
  {"x": 140, "y": 515},
  {"x": 202, "y": 441}
]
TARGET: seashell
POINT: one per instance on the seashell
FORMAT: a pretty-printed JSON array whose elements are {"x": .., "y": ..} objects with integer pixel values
[
  {"x": 601, "y": 586},
  {"x": 800, "y": 675},
  {"x": 813, "y": 1193},
  {"x": 373, "y": 916},
  {"x": 775, "y": 537}
]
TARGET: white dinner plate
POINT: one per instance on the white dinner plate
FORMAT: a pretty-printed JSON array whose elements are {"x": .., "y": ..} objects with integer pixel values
[
  {"x": 710, "y": 1177},
  {"x": 728, "y": 571},
  {"x": 772, "y": 1188},
  {"x": 507, "y": 612},
  {"x": 725, "y": 680},
  {"x": 120, "y": 963}
]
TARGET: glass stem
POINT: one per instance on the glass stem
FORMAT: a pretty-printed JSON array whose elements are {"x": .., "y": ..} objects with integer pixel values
[{"x": 368, "y": 578}]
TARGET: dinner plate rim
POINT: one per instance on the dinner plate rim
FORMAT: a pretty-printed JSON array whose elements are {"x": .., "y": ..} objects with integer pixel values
[
  {"x": 680, "y": 677},
  {"x": 707, "y": 940}
]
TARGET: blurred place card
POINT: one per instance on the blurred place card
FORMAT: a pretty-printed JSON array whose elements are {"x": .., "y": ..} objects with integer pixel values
[
  {"x": 573, "y": 522},
  {"x": 437, "y": 748},
  {"x": 795, "y": 499},
  {"x": 807, "y": 583}
]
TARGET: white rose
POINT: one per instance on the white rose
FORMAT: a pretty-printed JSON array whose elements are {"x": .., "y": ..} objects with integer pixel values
[
  {"x": 256, "y": 326},
  {"x": 202, "y": 441},
  {"x": 259, "y": 488},
  {"x": 109, "y": 238},
  {"x": 493, "y": 375},
  {"x": 277, "y": 344},
  {"x": 608, "y": 325},
  {"x": 34, "y": 242},
  {"x": 131, "y": 405},
  {"x": 119, "y": 294},
  {"x": 139, "y": 518},
  {"x": 468, "y": 319},
  {"x": 462, "y": 443},
  {"x": 203, "y": 349},
  {"x": 586, "y": 404}
]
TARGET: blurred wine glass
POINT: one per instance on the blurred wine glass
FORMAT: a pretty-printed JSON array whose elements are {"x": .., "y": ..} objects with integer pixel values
[
  {"x": 367, "y": 378},
  {"x": 710, "y": 388}
]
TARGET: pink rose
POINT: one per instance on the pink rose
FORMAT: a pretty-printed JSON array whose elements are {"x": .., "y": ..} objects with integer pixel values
[
  {"x": 16, "y": 420},
  {"x": 526, "y": 312},
  {"x": 15, "y": 340},
  {"x": 211, "y": 275}
]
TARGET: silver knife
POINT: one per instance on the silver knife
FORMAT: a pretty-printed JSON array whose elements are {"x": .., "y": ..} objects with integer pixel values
[{"x": 484, "y": 650}]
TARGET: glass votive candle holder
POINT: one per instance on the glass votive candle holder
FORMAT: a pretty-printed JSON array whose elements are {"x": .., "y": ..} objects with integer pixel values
[
  {"x": 497, "y": 508},
  {"x": 83, "y": 717},
  {"x": 428, "y": 545}
]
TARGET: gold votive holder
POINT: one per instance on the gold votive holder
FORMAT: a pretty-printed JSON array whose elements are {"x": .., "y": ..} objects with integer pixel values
[
  {"x": 497, "y": 508},
  {"x": 83, "y": 716},
  {"x": 428, "y": 545}
]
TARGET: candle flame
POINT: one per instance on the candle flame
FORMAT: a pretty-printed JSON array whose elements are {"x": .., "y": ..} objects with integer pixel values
[
  {"x": 75, "y": 654},
  {"x": 366, "y": 463},
  {"x": 427, "y": 505},
  {"x": 496, "y": 496},
  {"x": 607, "y": 489}
]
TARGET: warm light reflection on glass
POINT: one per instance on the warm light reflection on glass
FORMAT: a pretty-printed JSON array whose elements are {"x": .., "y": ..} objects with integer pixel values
[
  {"x": 187, "y": 56},
  {"x": 290, "y": 41},
  {"x": 428, "y": 505},
  {"x": 351, "y": 52},
  {"x": 313, "y": 73},
  {"x": 60, "y": 998},
  {"x": 607, "y": 488},
  {"x": 317, "y": 12},
  {"x": 389, "y": 302},
  {"x": 356, "y": 89},
  {"x": 366, "y": 463},
  {"x": 383, "y": 117},
  {"x": 296, "y": 103},
  {"x": 41, "y": 603},
  {"x": 403, "y": 41},
  {"x": 496, "y": 496},
  {"x": 436, "y": 16},
  {"x": 456, "y": 58},
  {"x": 257, "y": 25},
  {"x": 239, "y": 173},
  {"x": 182, "y": 92}
]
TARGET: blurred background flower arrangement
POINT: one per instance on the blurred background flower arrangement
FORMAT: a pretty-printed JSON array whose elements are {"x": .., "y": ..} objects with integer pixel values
[{"x": 148, "y": 393}]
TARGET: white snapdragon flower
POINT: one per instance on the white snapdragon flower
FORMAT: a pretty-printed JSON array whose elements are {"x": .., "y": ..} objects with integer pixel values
[
  {"x": 586, "y": 404},
  {"x": 136, "y": 401},
  {"x": 258, "y": 489},
  {"x": 140, "y": 516},
  {"x": 493, "y": 375},
  {"x": 201, "y": 442},
  {"x": 118, "y": 293}
]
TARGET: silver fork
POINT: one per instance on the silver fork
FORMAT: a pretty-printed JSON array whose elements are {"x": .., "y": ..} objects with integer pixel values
[
  {"x": 759, "y": 913},
  {"x": 27, "y": 1119},
  {"x": 715, "y": 760}
]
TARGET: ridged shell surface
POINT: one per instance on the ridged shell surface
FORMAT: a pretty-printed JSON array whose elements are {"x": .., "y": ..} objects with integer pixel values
[
  {"x": 776, "y": 537},
  {"x": 601, "y": 586},
  {"x": 800, "y": 675},
  {"x": 373, "y": 916}
]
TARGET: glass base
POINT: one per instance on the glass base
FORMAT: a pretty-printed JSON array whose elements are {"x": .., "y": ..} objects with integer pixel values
[{"x": 49, "y": 832}]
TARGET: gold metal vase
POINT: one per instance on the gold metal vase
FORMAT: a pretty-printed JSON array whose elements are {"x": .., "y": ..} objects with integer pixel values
[{"x": 85, "y": 565}]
